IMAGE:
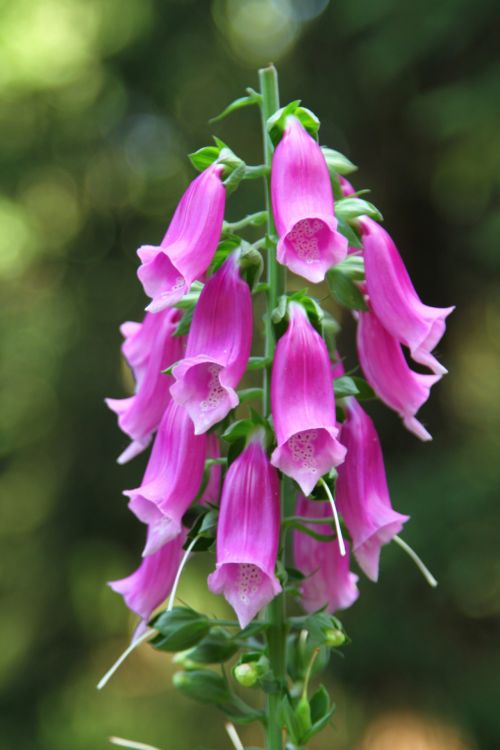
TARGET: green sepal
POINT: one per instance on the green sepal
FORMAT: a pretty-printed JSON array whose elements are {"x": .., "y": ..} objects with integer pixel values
[
  {"x": 249, "y": 394},
  {"x": 238, "y": 430},
  {"x": 276, "y": 124},
  {"x": 179, "y": 629},
  {"x": 351, "y": 385},
  {"x": 344, "y": 289},
  {"x": 204, "y": 157},
  {"x": 224, "y": 249},
  {"x": 365, "y": 391},
  {"x": 244, "y": 101},
  {"x": 258, "y": 363},
  {"x": 337, "y": 162},
  {"x": 321, "y": 713},
  {"x": 353, "y": 266},
  {"x": 291, "y": 720},
  {"x": 203, "y": 685},
  {"x": 350, "y": 208},
  {"x": 184, "y": 324},
  {"x": 216, "y": 648},
  {"x": 203, "y": 530},
  {"x": 251, "y": 264},
  {"x": 191, "y": 297},
  {"x": 350, "y": 233}
]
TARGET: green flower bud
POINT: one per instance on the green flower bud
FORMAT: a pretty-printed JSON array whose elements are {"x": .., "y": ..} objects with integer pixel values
[
  {"x": 303, "y": 714},
  {"x": 246, "y": 674},
  {"x": 334, "y": 637}
]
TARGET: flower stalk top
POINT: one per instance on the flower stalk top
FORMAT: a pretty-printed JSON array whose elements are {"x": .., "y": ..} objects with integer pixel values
[{"x": 227, "y": 479}]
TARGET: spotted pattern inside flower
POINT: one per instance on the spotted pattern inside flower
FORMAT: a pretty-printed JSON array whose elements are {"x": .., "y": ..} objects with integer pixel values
[
  {"x": 302, "y": 448},
  {"x": 215, "y": 391},
  {"x": 179, "y": 283},
  {"x": 304, "y": 239},
  {"x": 249, "y": 580}
]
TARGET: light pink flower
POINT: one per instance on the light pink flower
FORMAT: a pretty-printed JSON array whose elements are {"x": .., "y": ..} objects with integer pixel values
[
  {"x": 147, "y": 587},
  {"x": 362, "y": 494},
  {"x": 329, "y": 582},
  {"x": 248, "y": 534},
  {"x": 387, "y": 371},
  {"x": 149, "y": 348},
  {"x": 302, "y": 202},
  {"x": 395, "y": 301},
  {"x": 189, "y": 245},
  {"x": 172, "y": 479},
  {"x": 217, "y": 350},
  {"x": 303, "y": 405}
]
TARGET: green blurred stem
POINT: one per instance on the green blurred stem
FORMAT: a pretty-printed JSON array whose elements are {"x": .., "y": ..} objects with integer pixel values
[{"x": 276, "y": 633}]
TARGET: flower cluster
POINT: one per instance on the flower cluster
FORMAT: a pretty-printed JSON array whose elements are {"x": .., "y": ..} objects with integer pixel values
[{"x": 311, "y": 460}]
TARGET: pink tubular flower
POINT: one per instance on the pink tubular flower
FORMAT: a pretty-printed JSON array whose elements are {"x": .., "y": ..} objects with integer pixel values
[
  {"x": 217, "y": 350},
  {"x": 362, "y": 493},
  {"x": 385, "y": 368},
  {"x": 172, "y": 479},
  {"x": 148, "y": 586},
  {"x": 211, "y": 493},
  {"x": 395, "y": 301},
  {"x": 302, "y": 201},
  {"x": 248, "y": 534},
  {"x": 188, "y": 247},
  {"x": 149, "y": 348},
  {"x": 303, "y": 404},
  {"x": 329, "y": 582}
]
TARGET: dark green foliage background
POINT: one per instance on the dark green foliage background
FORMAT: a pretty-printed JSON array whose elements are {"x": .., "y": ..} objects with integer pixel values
[{"x": 100, "y": 101}]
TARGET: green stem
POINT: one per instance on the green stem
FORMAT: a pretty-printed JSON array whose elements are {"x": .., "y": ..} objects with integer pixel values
[{"x": 276, "y": 633}]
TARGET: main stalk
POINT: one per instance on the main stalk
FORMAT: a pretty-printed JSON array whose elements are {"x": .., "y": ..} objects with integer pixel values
[{"x": 276, "y": 634}]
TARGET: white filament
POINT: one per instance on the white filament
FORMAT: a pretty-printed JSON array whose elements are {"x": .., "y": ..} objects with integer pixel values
[
  {"x": 233, "y": 736},
  {"x": 130, "y": 743},
  {"x": 340, "y": 538},
  {"x": 416, "y": 559}
]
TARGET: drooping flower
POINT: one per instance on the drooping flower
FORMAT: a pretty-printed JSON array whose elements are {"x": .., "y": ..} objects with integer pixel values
[
  {"x": 172, "y": 479},
  {"x": 395, "y": 301},
  {"x": 248, "y": 533},
  {"x": 167, "y": 271},
  {"x": 387, "y": 371},
  {"x": 148, "y": 586},
  {"x": 328, "y": 581},
  {"x": 302, "y": 202},
  {"x": 362, "y": 494},
  {"x": 149, "y": 348},
  {"x": 211, "y": 493},
  {"x": 217, "y": 349},
  {"x": 303, "y": 405}
]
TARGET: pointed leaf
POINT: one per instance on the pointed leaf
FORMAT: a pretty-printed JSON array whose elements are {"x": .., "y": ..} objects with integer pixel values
[
  {"x": 243, "y": 101},
  {"x": 337, "y": 162},
  {"x": 345, "y": 290}
]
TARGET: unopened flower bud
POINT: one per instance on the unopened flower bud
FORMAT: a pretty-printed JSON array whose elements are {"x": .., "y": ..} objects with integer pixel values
[
  {"x": 334, "y": 637},
  {"x": 246, "y": 674}
]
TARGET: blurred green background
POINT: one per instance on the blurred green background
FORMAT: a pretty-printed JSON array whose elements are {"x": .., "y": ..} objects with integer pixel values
[{"x": 100, "y": 101}]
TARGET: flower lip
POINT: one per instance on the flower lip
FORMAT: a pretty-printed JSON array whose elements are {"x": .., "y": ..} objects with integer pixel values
[
  {"x": 311, "y": 246},
  {"x": 246, "y": 586}
]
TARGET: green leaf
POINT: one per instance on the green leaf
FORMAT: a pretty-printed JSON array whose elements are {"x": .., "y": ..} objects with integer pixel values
[
  {"x": 251, "y": 264},
  {"x": 337, "y": 162},
  {"x": 352, "y": 208},
  {"x": 309, "y": 120},
  {"x": 204, "y": 157},
  {"x": 258, "y": 363},
  {"x": 216, "y": 648},
  {"x": 353, "y": 266},
  {"x": 248, "y": 394},
  {"x": 237, "y": 430},
  {"x": 349, "y": 233},
  {"x": 291, "y": 721},
  {"x": 203, "y": 685},
  {"x": 224, "y": 249},
  {"x": 345, "y": 290},
  {"x": 182, "y": 328},
  {"x": 320, "y": 704},
  {"x": 345, "y": 386},
  {"x": 365, "y": 391},
  {"x": 179, "y": 629},
  {"x": 277, "y": 122},
  {"x": 243, "y": 101}
]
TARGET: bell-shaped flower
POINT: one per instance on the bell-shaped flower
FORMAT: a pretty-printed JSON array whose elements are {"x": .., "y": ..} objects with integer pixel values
[
  {"x": 172, "y": 479},
  {"x": 303, "y": 405},
  {"x": 147, "y": 587},
  {"x": 189, "y": 245},
  {"x": 362, "y": 494},
  {"x": 248, "y": 533},
  {"x": 385, "y": 368},
  {"x": 217, "y": 350},
  {"x": 211, "y": 493},
  {"x": 395, "y": 301},
  {"x": 149, "y": 348},
  {"x": 302, "y": 201},
  {"x": 329, "y": 582}
]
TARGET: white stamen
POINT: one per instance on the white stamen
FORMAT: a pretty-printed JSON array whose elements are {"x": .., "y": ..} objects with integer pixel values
[
  {"x": 179, "y": 573},
  {"x": 130, "y": 743},
  {"x": 340, "y": 538},
  {"x": 416, "y": 559},
  {"x": 233, "y": 736},
  {"x": 149, "y": 633},
  {"x": 142, "y": 639}
]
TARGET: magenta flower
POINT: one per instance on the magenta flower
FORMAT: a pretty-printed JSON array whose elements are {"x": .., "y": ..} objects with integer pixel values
[
  {"x": 148, "y": 586},
  {"x": 329, "y": 581},
  {"x": 149, "y": 348},
  {"x": 302, "y": 201},
  {"x": 172, "y": 479},
  {"x": 385, "y": 368},
  {"x": 217, "y": 350},
  {"x": 189, "y": 245},
  {"x": 303, "y": 405},
  {"x": 395, "y": 301},
  {"x": 248, "y": 533},
  {"x": 211, "y": 493},
  {"x": 362, "y": 494}
]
